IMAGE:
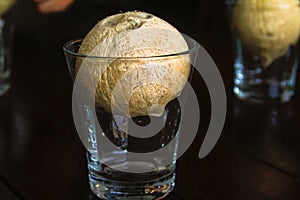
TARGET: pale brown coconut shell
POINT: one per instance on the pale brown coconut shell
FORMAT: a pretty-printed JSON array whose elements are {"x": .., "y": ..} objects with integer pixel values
[
  {"x": 5, "y": 5},
  {"x": 267, "y": 27},
  {"x": 149, "y": 83}
]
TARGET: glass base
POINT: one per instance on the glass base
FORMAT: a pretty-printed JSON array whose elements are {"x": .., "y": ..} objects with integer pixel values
[
  {"x": 257, "y": 95},
  {"x": 119, "y": 190}
]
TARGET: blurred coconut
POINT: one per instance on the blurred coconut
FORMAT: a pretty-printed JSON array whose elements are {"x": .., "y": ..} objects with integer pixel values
[
  {"x": 267, "y": 27},
  {"x": 5, "y": 5},
  {"x": 137, "y": 78}
]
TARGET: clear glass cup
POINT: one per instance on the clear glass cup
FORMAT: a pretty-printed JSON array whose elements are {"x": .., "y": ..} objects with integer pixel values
[
  {"x": 265, "y": 36},
  {"x": 7, "y": 14},
  {"x": 120, "y": 160}
]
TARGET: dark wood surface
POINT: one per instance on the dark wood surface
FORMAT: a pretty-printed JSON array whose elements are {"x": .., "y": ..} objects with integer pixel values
[{"x": 41, "y": 156}]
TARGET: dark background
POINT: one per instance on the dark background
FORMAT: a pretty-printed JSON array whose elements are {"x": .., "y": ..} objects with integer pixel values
[{"x": 41, "y": 156}]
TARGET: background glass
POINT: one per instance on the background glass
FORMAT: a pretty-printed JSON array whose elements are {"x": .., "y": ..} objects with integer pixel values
[
  {"x": 7, "y": 14},
  {"x": 265, "y": 38},
  {"x": 106, "y": 181}
]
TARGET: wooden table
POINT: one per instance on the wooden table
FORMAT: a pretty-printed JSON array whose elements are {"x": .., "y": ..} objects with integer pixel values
[{"x": 41, "y": 156}]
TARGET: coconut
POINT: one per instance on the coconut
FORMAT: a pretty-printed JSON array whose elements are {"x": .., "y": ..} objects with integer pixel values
[
  {"x": 267, "y": 27},
  {"x": 5, "y": 5},
  {"x": 134, "y": 74}
]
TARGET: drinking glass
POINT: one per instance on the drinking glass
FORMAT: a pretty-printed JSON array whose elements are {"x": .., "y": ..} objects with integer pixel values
[
  {"x": 125, "y": 160},
  {"x": 265, "y": 36},
  {"x": 6, "y": 38}
]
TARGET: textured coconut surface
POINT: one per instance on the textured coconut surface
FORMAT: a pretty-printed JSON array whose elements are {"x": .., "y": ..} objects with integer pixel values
[
  {"x": 267, "y": 27},
  {"x": 135, "y": 77},
  {"x": 5, "y": 5}
]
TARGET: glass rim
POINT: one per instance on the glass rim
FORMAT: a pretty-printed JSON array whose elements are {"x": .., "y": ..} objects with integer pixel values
[{"x": 67, "y": 45}]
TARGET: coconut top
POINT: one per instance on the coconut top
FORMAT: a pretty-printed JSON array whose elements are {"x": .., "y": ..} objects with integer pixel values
[
  {"x": 267, "y": 27},
  {"x": 132, "y": 41}
]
